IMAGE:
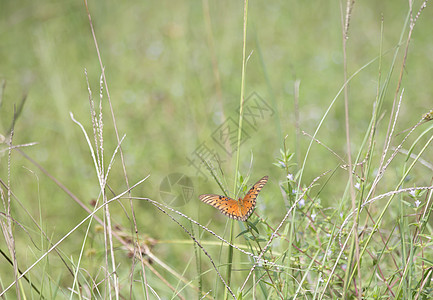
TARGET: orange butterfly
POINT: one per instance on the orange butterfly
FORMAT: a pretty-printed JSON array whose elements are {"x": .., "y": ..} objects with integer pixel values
[{"x": 238, "y": 210}]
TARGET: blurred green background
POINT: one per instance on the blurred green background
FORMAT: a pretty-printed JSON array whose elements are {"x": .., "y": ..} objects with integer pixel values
[{"x": 173, "y": 70}]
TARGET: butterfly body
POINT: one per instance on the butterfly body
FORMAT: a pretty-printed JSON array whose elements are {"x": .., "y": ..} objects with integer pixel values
[{"x": 236, "y": 209}]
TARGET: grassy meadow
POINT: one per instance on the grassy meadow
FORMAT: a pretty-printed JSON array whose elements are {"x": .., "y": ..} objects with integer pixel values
[{"x": 336, "y": 108}]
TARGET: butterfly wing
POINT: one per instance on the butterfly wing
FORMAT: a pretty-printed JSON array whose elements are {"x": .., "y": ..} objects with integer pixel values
[
  {"x": 249, "y": 202},
  {"x": 226, "y": 205},
  {"x": 238, "y": 210}
]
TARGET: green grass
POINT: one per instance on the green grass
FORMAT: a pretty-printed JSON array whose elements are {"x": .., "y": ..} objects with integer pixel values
[{"x": 174, "y": 75}]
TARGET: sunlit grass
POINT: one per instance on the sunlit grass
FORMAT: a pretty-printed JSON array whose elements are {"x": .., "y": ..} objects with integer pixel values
[{"x": 174, "y": 75}]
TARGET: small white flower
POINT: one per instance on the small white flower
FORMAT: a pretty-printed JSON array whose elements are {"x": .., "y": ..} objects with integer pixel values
[
  {"x": 417, "y": 203},
  {"x": 341, "y": 215},
  {"x": 301, "y": 203},
  {"x": 357, "y": 185},
  {"x": 412, "y": 193},
  {"x": 313, "y": 216},
  {"x": 290, "y": 177}
]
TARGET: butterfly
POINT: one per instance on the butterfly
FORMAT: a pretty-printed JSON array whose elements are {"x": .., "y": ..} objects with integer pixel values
[{"x": 240, "y": 209}]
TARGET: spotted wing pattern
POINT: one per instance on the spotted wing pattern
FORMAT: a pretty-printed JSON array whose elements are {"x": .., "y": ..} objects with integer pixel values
[
  {"x": 226, "y": 205},
  {"x": 238, "y": 210},
  {"x": 249, "y": 202}
]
